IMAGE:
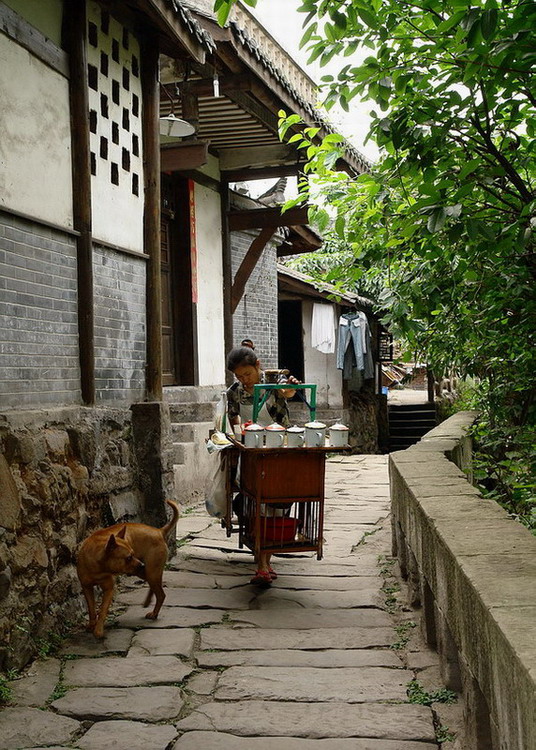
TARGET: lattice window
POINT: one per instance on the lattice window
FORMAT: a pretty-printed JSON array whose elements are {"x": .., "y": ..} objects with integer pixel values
[{"x": 115, "y": 101}]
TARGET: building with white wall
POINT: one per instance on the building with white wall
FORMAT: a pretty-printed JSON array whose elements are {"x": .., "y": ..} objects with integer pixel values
[{"x": 117, "y": 289}]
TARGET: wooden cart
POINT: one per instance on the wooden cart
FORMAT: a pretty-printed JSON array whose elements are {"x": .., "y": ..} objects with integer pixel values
[{"x": 283, "y": 493}]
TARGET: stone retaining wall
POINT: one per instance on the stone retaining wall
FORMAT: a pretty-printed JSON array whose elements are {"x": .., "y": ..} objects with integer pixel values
[
  {"x": 63, "y": 473},
  {"x": 472, "y": 570}
]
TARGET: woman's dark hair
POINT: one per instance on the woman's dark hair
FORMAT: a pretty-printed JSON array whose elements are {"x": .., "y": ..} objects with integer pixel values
[
  {"x": 242, "y": 355},
  {"x": 247, "y": 342}
]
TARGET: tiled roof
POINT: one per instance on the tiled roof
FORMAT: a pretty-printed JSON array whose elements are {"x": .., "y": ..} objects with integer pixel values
[
  {"x": 195, "y": 29},
  {"x": 324, "y": 288},
  {"x": 242, "y": 37}
]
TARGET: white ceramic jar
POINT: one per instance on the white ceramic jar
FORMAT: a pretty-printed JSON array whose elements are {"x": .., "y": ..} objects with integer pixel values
[
  {"x": 274, "y": 435},
  {"x": 338, "y": 435},
  {"x": 295, "y": 437},
  {"x": 254, "y": 436},
  {"x": 315, "y": 435}
]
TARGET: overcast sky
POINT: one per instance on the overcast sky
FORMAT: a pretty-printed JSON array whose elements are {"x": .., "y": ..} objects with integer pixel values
[{"x": 283, "y": 21}]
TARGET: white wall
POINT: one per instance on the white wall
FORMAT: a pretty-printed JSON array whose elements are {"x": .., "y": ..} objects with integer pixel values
[
  {"x": 35, "y": 137},
  {"x": 320, "y": 368},
  {"x": 210, "y": 331},
  {"x": 117, "y": 213}
]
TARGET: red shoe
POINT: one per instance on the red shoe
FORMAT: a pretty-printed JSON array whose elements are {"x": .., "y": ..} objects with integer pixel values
[
  {"x": 262, "y": 578},
  {"x": 273, "y": 574}
]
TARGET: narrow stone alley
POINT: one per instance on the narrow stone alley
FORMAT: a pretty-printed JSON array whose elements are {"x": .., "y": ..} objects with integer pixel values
[{"x": 322, "y": 660}]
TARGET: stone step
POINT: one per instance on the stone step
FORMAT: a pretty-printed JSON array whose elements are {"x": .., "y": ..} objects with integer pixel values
[
  {"x": 180, "y": 451},
  {"x": 412, "y": 419},
  {"x": 192, "y": 464},
  {"x": 192, "y": 411},
  {"x": 188, "y": 432},
  {"x": 418, "y": 408},
  {"x": 177, "y": 394},
  {"x": 401, "y": 445},
  {"x": 410, "y": 429}
]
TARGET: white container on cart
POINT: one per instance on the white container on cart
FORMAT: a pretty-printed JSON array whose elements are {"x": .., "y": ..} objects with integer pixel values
[
  {"x": 315, "y": 435},
  {"x": 338, "y": 435},
  {"x": 274, "y": 435},
  {"x": 295, "y": 437},
  {"x": 254, "y": 436}
]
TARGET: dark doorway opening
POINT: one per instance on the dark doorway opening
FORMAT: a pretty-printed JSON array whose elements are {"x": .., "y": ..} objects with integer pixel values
[
  {"x": 290, "y": 337},
  {"x": 179, "y": 294}
]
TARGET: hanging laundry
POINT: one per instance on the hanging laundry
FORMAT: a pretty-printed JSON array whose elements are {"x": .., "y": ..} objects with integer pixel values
[
  {"x": 323, "y": 328},
  {"x": 354, "y": 347}
]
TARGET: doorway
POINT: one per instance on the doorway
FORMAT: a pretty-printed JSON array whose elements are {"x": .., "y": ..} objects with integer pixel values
[
  {"x": 179, "y": 303},
  {"x": 290, "y": 337}
]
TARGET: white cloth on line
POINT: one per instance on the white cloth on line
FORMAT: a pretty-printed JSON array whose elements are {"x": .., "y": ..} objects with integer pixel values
[{"x": 323, "y": 328}]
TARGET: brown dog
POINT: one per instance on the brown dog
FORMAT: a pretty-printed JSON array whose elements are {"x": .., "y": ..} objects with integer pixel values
[{"x": 133, "y": 549}]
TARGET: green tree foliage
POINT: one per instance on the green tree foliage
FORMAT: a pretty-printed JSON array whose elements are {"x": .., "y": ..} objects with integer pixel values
[{"x": 447, "y": 217}]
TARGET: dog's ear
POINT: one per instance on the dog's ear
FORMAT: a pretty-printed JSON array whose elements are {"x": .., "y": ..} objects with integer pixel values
[
  {"x": 121, "y": 533},
  {"x": 110, "y": 545}
]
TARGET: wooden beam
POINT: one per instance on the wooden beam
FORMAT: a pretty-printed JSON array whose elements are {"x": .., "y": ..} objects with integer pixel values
[
  {"x": 309, "y": 238},
  {"x": 170, "y": 24},
  {"x": 248, "y": 264},
  {"x": 262, "y": 173},
  {"x": 190, "y": 110},
  {"x": 202, "y": 179},
  {"x": 184, "y": 155},
  {"x": 258, "y": 156},
  {"x": 301, "y": 240},
  {"x": 227, "y": 82},
  {"x": 151, "y": 215},
  {"x": 16, "y": 28},
  {"x": 227, "y": 274},
  {"x": 75, "y": 42},
  {"x": 257, "y": 218}
]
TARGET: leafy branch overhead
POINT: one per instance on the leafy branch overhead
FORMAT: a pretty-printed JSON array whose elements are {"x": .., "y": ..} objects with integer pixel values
[
  {"x": 448, "y": 212},
  {"x": 444, "y": 223}
]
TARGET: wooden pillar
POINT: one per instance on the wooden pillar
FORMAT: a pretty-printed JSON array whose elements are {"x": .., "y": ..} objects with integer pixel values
[
  {"x": 227, "y": 273},
  {"x": 151, "y": 215},
  {"x": 75, "y": 42},
  {"x": 190, "y": 109}
]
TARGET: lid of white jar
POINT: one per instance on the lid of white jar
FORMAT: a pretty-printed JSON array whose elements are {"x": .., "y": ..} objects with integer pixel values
[
  {"x": 316, "y": 425},
  {"x": 275, "y": 427},
  {"x": 254, "y": 427},
  {"x": 338, "y": 426},
  {"x": 295, "y": 428}
]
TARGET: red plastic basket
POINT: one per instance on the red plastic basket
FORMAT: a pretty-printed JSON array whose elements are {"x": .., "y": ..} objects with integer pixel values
[{"x": 279, "y": 529}]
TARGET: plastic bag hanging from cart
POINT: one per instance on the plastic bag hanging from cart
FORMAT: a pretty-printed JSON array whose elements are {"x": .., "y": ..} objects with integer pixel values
[{"x": 216, "y": 491}]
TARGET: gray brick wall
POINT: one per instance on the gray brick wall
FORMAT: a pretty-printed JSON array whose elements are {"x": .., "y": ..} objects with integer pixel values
[
  {"x": 256, "y": 315},
  {"x": 39, "y": 362},
  {"x": 120, "y": 322}
]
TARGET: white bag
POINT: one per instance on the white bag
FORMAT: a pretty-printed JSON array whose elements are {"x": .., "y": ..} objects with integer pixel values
[{"x": 216, "y": 489}]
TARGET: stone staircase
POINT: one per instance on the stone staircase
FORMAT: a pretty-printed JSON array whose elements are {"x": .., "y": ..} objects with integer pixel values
[
  {"x": 408, "y": 423},
  {"x": 192, "y": 416}
]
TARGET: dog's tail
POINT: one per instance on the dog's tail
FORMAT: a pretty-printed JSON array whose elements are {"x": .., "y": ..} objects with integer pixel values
[{"x": 174, "y": 518}]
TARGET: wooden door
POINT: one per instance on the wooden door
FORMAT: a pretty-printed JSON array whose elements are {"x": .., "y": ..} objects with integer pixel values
[
  {"x": 169, "y": 354},
  {"x": 179, "y": 300}
]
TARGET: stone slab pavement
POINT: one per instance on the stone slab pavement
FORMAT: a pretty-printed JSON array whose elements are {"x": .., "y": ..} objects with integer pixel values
[{"x": 322, "y": 660}]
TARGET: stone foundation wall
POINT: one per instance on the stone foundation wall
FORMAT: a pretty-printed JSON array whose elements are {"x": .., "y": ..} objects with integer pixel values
[
  {"x": 63, "y": 474},
  {"x": 472, "y": 570}
]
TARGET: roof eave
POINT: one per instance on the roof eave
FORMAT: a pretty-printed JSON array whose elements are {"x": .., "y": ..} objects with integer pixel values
[{"x": 177, "y": 25}]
